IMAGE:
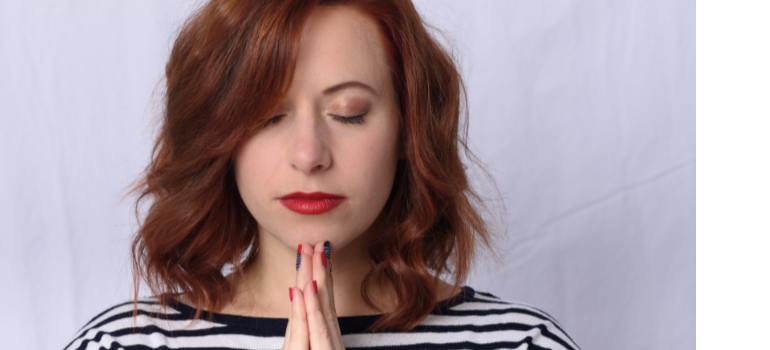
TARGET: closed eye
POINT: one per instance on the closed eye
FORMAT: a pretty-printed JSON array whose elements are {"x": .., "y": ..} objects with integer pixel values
[
  {"x": 273, "y": 120},
  {"x": 358, "y": 119}
]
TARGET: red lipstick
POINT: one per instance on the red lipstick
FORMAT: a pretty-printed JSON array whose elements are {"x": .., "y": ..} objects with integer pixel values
[{"x": 311, "y": 203}]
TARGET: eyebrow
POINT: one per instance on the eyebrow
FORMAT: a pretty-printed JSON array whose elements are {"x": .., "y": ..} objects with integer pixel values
[{"x": 349, "y": 84}]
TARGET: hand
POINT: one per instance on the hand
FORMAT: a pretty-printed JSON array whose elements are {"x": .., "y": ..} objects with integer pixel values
[{"x": 313, "y": 319}]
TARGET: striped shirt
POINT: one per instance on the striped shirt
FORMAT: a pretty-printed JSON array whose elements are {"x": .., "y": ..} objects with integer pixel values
[{"x": 469, "y": 320}]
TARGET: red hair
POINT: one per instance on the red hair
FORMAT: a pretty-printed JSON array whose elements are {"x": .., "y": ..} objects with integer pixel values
[{"x": 230, "y": 66}]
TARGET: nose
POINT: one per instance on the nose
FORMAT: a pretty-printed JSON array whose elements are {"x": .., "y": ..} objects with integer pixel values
[{"x": 309, "y": 149}]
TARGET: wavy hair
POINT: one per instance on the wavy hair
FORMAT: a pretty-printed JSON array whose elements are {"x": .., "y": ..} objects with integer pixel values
[{"x": 230, "y": 65}]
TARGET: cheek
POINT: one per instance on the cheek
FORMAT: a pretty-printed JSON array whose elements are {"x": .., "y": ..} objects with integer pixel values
[
  {"x": 376, "y": 157},
  {"x": 253, "y": 171}
]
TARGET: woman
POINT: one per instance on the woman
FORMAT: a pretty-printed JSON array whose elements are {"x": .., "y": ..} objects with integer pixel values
[{"x": 329, "y": 128}]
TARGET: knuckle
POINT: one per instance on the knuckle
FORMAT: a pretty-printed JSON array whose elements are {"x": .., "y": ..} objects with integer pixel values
[
  {"x": 323, "y": 334},
  {"x": 300, "y": 317},
  {"x": 320, "y": 314},
  {"x": 326, "y": 337},
  {"x": 329, "y": 315},
  {"x": 323, "y": 327}
]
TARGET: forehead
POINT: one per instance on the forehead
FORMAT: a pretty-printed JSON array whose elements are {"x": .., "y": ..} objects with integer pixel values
[{"x": 339, "y": 44}]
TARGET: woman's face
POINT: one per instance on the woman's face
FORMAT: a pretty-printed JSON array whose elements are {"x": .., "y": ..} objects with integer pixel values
[{"x": 341, "y": 71}]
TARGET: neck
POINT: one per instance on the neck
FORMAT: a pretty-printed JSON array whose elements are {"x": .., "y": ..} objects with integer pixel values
[{"x": 262, "y": 289}]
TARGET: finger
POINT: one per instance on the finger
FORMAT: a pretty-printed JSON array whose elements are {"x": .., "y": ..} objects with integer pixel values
[
  {"x": 321, "y": 335},
  {"x": 287, "y": 335},
  {"x": 297, "y": 329},
  {"x": 304, "y": 265},
  {"x": 323, "y": 276}
]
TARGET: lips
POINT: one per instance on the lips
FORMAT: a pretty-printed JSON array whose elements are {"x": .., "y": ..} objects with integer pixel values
[{"x": 311, "y": 203}]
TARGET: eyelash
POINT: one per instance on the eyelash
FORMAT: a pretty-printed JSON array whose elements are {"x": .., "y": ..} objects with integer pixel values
[{"x": 358, "y": 119}]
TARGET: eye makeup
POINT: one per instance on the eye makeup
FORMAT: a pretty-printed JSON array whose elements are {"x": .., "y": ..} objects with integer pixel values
[
  {"x": 338, "y": 113},
  {"x": 358, "y": 119},
  {"x": 350, "y": 111},
  {"x": 272, "y": 120}
]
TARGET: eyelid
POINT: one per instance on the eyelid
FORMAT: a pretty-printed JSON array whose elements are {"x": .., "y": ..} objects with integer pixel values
[
  {"x": 356, "y": 119},
  {"x": 273, "y": 120}
]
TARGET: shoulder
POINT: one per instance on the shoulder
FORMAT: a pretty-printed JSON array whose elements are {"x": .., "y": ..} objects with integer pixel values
[
  {"x": 496, "y": 322},
  {"x": 153, "y": 326}
]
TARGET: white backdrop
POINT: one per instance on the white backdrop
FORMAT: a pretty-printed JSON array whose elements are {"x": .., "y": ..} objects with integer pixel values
[{"x": 584, "y": 111}]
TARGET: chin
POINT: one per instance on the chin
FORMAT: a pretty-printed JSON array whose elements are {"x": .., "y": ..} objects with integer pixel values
[{"x": 313, "y": 238}]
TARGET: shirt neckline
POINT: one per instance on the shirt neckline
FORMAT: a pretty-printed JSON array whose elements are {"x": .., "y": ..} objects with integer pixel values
[{"x": 277, "y": 326}]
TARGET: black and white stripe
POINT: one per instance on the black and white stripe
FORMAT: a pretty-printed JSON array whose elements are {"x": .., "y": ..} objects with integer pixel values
[{"x": 471, "y": 320}]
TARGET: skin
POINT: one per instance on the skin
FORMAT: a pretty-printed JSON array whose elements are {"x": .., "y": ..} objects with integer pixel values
[{"x": 306, "y": 149}]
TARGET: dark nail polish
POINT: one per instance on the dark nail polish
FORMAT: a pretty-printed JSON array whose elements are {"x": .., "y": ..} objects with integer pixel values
[
  {"x": 327, "y": 253},
  {"x": 299, "y": 256}
]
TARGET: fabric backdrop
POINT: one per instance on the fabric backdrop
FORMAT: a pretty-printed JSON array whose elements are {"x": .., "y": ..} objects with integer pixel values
[{"x": 584, "y": 112}]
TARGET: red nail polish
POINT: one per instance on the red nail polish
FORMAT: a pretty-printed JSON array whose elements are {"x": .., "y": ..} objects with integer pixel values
[
  {"x": 323, "y": 259},
  {"x": 315, "y": 287},
  {"x": 291, "y": 294},
  {"x": 299, "y": 249}
]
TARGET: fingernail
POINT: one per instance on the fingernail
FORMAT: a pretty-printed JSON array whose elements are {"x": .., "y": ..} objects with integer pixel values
[
  {"x": 323, "y": 259},
  {"x": 291, "y": 294},
  {"x": 327, "y": 250},
  {"x": 299, "y": 255},
  {"x": 315, "y": 287},
  {"x": 328, "y": 253}
]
